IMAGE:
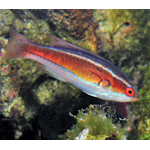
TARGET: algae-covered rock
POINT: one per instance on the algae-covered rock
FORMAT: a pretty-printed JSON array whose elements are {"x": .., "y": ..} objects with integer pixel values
[
  {"x": 34, "y": 99},
  {"x": 50, "y": 90},
  {"x": 23, "y": 74},
  {"x": 143, "y": 108},
  {"x": 92, "y": 124},
  {"x": 75, "y": 26},
  {"x": 124, "y": 36},
  {"x": 6, "y": 20},
  {"x": 24, "y": 87},
  {"x": 20, "y": 73}
]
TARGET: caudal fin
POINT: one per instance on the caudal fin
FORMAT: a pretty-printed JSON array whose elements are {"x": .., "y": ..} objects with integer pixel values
[{"x": 16, "y": 45}]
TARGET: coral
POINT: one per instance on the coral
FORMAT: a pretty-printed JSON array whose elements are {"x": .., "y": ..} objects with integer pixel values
[{"x": 92, "y": 124}]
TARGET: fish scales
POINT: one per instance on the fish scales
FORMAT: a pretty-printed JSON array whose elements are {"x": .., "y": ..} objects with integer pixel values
[
  {"x": 89, "y": 72},
  {"x": 76, "y": 64}
]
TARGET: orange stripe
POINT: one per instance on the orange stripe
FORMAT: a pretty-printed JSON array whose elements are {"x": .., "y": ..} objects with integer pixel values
[{"x": 80, "y": 67}]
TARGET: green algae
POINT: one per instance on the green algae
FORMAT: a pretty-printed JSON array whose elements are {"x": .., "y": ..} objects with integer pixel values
[
  {"x": 22, "y": 92},
  {"x": 6, "y": 19},
  {"x": 92, "y": 124},
  {"x": 126, "y": 46},
  {"x": 21, "y": 73},
  {"x": 51, "y": 89},
  {"x": 143, "y": 107},
  {"x": 124, "y": 36},
  {"x": 75, "y": 26}
]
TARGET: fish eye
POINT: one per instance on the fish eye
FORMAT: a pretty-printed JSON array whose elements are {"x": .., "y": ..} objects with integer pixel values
[{"x": 129, "y": 91}]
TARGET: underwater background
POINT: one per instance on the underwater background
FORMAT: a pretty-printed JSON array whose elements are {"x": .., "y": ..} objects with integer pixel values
[{"x": 34, "y": 105}]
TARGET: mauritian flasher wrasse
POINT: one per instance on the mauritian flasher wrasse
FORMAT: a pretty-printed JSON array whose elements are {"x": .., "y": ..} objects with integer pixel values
[{"x": 85, "y": 70}]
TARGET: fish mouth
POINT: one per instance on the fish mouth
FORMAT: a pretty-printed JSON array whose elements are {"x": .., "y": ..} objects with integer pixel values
[{"x": 136, "y": 98}]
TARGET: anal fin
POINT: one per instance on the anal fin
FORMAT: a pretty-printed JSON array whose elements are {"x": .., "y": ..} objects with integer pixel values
[{"x": 91, "y": 94}]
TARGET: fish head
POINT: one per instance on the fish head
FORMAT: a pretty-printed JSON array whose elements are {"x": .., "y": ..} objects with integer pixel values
[{"x": 119, "y": 91}]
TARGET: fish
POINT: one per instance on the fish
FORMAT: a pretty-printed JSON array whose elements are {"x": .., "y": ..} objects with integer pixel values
[{"x": 67, "y": 62}]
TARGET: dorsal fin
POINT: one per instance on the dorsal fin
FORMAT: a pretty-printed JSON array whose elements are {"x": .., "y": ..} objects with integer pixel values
[{"x": 59, "y": 43}]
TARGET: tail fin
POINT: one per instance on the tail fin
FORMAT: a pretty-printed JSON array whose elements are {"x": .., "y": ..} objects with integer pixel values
[{"x": 16, "y": 45}]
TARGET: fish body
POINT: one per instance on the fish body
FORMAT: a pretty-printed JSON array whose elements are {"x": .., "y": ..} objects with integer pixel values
[{"x": 85, "y": 70}]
